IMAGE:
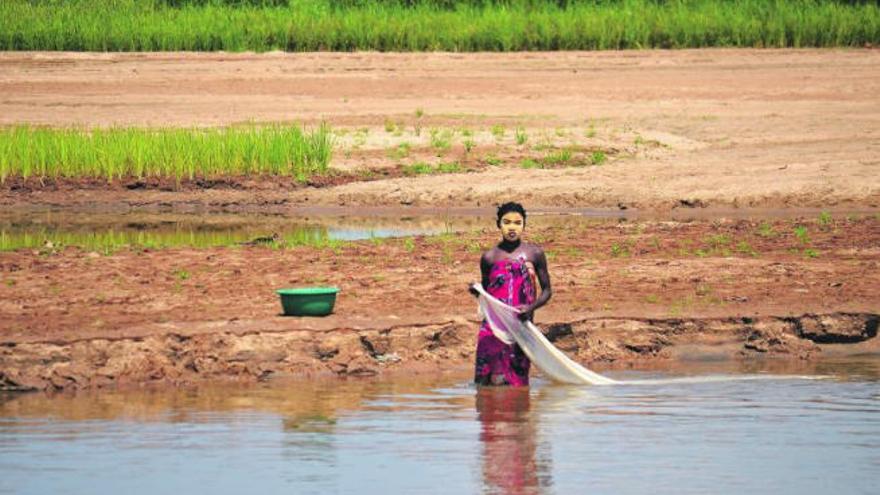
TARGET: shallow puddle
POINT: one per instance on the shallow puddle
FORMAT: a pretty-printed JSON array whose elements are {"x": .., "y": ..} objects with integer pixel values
[
  {"x": 101, "y": 231},
  {"x": 108, "y": 231},
  {"x": 788, "y": 433},
  {"x": 313, "y": 226}
]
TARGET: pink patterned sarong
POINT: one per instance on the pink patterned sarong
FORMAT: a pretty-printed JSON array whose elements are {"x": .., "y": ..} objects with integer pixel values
[{"x": 499, "y": 363}]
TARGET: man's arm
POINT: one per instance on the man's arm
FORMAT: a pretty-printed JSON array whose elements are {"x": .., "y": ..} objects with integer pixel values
[
  {"x": 485, "y": 269},
  {"x": 540, "y": 262}
]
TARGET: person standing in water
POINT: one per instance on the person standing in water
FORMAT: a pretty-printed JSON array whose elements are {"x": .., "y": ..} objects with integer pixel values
[{"x": 508, "y": 273}]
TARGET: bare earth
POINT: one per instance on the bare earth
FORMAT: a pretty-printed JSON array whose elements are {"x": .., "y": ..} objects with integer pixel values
[
  {"x": 685, "y": 130},
  {"x": 627, "y": 293},
  {"x": 712, "y": 127}
]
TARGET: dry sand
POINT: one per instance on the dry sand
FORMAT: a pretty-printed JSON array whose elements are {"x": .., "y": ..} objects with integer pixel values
[{"x": 756, "y": 128}]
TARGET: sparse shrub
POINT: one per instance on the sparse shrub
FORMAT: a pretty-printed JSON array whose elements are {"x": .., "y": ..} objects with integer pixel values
[
  {"x": 560, "y": 157},
  {"x": 744, "y": 247},
  {"x": 766, "y": 230},
  {"x": 493, "y": 160},
  {"x": 619, "y": 250},
  {"x": 824, "y": 220},
  {"x": 418, "y": 168},
  {"x": 449, "y": 168},
  {"x": 802, "y": 235}
]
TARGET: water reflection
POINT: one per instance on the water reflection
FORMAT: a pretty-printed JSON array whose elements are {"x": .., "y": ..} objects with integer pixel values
[
  {"x": 439, "y": 434},
  {"x": 156, "y": 230},
  {"x": 95, "y": 230},
  {"x": 512, "y": 460}
]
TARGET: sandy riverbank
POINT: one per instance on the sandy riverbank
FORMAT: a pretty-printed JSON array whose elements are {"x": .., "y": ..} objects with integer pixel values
[
  {"x": 732, "y": 128},
  {"x": 624, "y": 292},
  {"x": 648, "y": 131}
]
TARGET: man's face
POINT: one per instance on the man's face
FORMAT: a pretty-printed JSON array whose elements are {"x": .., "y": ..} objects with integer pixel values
[{"x": 512, "y": 225}]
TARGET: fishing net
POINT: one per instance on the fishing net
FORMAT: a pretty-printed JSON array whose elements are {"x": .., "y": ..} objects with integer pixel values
[{"x": 508, "y": 328}]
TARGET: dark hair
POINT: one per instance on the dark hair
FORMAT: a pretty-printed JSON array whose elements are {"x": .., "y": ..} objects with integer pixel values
[{"x": 509, "y": 207}]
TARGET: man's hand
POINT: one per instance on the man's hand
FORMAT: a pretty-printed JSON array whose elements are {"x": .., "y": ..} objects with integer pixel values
[
  {"x": 525, "y": 312},
  {"x": 473, "y": 290}
]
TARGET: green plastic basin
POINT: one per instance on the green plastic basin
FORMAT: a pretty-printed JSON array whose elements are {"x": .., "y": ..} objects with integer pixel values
[{"x": 308, "y": 301}]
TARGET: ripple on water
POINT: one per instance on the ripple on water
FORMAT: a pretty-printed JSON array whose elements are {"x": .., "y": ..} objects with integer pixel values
[{"x": 442, "y": 435}]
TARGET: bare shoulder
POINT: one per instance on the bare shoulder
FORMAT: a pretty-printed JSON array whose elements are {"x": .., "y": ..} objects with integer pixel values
[
  {"x": 489, "y": 256},
  {"x": 534, "y": 251}
]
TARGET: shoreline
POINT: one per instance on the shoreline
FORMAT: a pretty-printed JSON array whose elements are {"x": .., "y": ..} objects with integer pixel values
[
  {"x": 623, "y": 293},
  {"x": 746, "y": 179},
  {"x": 254, "y": 356}
]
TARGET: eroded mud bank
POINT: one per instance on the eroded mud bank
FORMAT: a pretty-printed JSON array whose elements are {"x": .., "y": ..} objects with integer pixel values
[{"x": 607, "y": 342}]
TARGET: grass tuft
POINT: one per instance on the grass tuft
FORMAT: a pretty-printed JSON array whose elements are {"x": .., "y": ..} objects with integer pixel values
[{"x": 117, "y": 153}]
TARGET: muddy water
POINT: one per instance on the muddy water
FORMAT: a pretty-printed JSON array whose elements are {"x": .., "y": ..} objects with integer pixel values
[
  {"x": 440, "y": 435},
  {"x": 97, "y": 231},
  {"x": 155, "y": 230},
  {"x": 310, "y": 226}
]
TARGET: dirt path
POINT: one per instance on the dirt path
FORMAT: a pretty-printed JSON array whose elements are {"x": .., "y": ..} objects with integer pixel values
[{"x": 759, "y": 128}]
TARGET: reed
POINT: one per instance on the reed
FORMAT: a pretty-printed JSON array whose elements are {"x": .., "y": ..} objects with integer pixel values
[
  {"x": 115, "y": 153},
  {"x": 420, "y": 25}
]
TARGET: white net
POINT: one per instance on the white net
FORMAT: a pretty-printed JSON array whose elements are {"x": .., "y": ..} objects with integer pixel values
[{"x": 508, "y": 328}]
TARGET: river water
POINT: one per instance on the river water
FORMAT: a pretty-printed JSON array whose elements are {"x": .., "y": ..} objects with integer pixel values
[{"x": 754, "y": 431}]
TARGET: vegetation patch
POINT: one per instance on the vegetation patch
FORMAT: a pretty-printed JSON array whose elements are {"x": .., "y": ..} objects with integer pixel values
[
  {"x": 50, "y": 241},
  {"x": 427, "y": 25},
  {"x": 116, "y": 153},
  {"x": 422, "y": 168}
]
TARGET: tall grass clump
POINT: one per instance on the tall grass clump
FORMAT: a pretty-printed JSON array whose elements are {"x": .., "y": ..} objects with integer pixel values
[
  {"x": 419, "y": 25},
  {"x": 116, "y": 153}
]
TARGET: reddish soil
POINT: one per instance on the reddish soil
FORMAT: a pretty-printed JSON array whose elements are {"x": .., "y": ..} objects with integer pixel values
[
  {"x": 692, "y": 130},
  {"x": 622, "y": 292}
]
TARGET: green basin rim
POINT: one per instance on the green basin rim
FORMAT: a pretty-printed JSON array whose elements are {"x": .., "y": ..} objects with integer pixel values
[{"x": 308, "y": 291}]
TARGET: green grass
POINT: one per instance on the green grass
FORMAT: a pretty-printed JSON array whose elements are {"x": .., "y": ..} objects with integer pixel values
[
  {"x": 422, "y": 168},
  {"x": 419, "y": 25},
  {"x": 109, "y": 240},
  {"x": 559, "y": 157},
  {"x": 825, "y": 220},
  {"x": 418, "y": 168},
  {"x": 620, "y": 250},
  {"x": 766, "y": 231},
  {"x": 803, "y": 236},
  {"x": 402, "y": 150},
  {"x": 441, "y": 141},
  {"x": 179, "y": 153},
  {"x": 521, "y": 136},
  {"x": 449, "y": 168}
]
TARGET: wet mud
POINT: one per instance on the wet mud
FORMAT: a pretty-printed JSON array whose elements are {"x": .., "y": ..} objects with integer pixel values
[{"x": 608, "y": 342}]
